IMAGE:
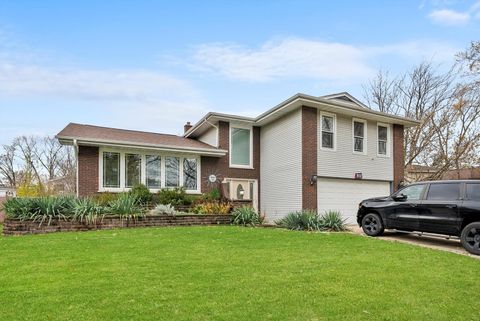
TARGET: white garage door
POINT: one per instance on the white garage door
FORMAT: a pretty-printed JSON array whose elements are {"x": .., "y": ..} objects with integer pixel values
[{"x": 344, "y": 195}]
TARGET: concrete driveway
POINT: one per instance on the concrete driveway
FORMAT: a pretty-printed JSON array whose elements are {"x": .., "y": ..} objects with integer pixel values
[{"x": 451, "y": 245}]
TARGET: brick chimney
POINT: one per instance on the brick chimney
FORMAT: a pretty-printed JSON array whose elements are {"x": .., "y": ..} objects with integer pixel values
[{"x": 187, "y": 126}]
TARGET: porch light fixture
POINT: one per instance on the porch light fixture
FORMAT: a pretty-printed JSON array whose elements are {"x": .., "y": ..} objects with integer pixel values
[{"x": 313, "y": 179}]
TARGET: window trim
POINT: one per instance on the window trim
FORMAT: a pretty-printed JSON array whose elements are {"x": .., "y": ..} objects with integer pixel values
[
  {"x": 365, "y": 135},
  {"x": 334, "y": 132},
  {"x": 239, "y": 126},
  {"x": 143, "y": 169},
  {"x": 387, "y": 154}
]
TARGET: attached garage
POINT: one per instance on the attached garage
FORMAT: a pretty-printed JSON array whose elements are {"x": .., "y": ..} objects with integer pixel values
[{"x": 345, "y": 194}]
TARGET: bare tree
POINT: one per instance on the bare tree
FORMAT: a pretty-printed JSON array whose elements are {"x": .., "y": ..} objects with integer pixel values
[
  {"x": 381, "y": 93},
  {"x": 26, "y": 147},
  {"x": 48, "y": 154},
  {"x": 469, "y": 59},
  {"x": 8, "y": 171}
]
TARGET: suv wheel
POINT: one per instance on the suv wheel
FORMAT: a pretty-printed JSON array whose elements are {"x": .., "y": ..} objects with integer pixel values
[
  {"x": 471, "y": 238},
  {"x": 372, "y": 225}
]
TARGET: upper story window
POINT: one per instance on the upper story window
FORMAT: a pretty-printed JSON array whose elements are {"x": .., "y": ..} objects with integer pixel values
[
  {"x": 382, "y": 135},
  {"x": 359, "y": 136},
  {"x": 240, "y": 147},
  {"x": 328, "y": 131}
]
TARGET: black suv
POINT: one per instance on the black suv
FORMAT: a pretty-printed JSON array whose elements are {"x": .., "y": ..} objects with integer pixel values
[{"x": 441, "y": 207}]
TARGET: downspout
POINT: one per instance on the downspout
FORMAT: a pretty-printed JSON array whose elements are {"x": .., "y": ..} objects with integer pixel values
[{"x": 75, "y": 146}]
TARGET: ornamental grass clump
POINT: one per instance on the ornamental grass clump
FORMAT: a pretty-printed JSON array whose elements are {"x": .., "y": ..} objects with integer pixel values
[
  {"x": 333, "y": 221},
  {"x": 301, "y": 220},
  {"x": 246, "y": 216},
  {"x": 87, "y": 210},
  {"x": 126, "y": 206}
]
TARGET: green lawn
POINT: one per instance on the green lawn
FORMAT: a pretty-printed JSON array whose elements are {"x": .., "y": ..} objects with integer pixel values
[{"x": 231, "y": 273}]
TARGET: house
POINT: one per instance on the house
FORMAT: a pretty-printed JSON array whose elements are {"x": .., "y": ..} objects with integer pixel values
[
  {"x": 308, "y": 152},
  {"x": 415, "y": 173}
]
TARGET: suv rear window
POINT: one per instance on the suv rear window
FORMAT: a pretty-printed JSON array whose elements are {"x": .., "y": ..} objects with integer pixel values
[
  {"x": 445, "y": 191},
  {"x": 473, "y": 192}
]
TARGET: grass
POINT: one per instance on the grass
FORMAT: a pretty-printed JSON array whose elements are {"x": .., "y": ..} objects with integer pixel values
[{"x": 231, "y": 273}]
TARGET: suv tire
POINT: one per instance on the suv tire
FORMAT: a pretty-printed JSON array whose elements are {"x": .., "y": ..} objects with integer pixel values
[
  {"x": 372, "y": 225},
  {"x": 470, "y": 238}
]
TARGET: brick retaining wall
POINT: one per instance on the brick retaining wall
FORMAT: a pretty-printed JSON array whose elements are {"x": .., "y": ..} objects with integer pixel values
[{"x": 19, "y": 227}]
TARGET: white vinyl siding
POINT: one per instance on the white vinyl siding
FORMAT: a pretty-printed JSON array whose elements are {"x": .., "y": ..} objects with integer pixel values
[
  {"x": 281, "y": 166},
  {"x": 344, "y": 162},
  {"x": 344, "y": 195},
  {"x": 210, "y": 137}
]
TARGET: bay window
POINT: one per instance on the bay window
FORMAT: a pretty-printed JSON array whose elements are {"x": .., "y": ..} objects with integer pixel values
[
  {"x": 111, "y": 170},
  {"x": 240, "y": 147},
  {"x": 133, "y": 164},
  {"x": 153, "y": 171},
  {"x": 120, "y": 171},
  {"x": 172, "y": 172},
  {"x": 190, "y": 173}
]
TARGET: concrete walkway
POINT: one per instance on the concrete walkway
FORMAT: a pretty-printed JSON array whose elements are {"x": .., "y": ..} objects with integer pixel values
[{"x": 451, "y": 245}]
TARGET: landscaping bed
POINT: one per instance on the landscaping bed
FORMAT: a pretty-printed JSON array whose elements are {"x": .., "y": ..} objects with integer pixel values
[{"x": 23, "y": 227}]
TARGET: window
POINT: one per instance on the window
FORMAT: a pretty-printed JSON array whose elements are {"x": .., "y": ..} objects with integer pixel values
[
  {"x": 133, "y": 163},
  {"x": 328, "y": 130},
  {"x": 111, "y": 170},
  {"x": 240, "y": 147},
  {"x": 412, "y": 192},
  {"x": 154, "y": 171},
  {"x": 446, "y": 192},
  {"x": 190, "y": 173},
  {"x": 359, "y": 136},
  {"x": 473, "y": 192},
  {"x": 382, "y": 140},
  {"x": 172, "y": 171}
]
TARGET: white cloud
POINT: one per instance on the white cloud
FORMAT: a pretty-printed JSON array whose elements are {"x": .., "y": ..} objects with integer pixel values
[
  {"x": 292, "y": 57},
  {"x": 303, "y": 58},
  {"x": 449, "y": 17}
]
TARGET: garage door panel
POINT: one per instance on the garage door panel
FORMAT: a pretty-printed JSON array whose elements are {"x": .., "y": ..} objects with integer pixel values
[{"x": 344, "y": 195}]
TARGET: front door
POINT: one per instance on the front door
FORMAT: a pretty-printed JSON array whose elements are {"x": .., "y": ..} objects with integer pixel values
[{"x": 439, "y": 211}]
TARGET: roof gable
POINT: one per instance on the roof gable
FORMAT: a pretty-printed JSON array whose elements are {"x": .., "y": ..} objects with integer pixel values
[{"x": 345, "y": 96}]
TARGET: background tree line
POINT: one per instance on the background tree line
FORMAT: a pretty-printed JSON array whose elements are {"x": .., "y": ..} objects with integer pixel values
[
  {"x": 30, "y": 163},
  {"x": 446, "y": 102}
]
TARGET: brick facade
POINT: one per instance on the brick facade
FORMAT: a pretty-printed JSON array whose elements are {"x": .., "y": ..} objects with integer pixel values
[
  {"x": 221, "y": 165},
  {"x": 87, "y": 170},
  {"x": 309, "y": 157},
  {"x": 398, "y": 155}
]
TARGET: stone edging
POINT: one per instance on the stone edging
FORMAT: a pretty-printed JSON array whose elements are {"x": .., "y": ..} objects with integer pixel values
[{"x": 19, "y": 227}]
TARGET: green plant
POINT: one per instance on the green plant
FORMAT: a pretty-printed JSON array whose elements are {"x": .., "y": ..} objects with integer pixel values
[
  {"x": 86, "y": 210},
  {"x": 19, "y": 207},
  {"x": 301, "y": 220},
  {"x": 213, "y": 195},
  {"x": 175, "y": 196},
  {"x": 126, "y": 206},
  {"x": 246, "y": 215},
  {"x": 142, "y": 193},
  {"x": 332, "y": 220},
  {"x": 39, "y": 209},
  {"x": 212, "y": 208},
  {"x": 162, "y": 209},
  {"x": 104, "y": 199}
]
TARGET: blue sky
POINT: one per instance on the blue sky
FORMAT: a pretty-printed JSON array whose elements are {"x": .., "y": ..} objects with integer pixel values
[{"x": 152, "y": 65}]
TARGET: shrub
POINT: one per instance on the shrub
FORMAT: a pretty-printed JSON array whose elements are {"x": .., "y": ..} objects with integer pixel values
[
  {"x": 126, "y": 206},
  {"x": 162, "y": 209},
  {"x": 175, "y": 196},
  {"x": 104, "y": 199},
  {"x": 142, "y": 193},
  {"x": 87, "y": 210},
  {"x": 19, "y": 207},
  {"x": 332, "y": 220},
  {"x": 301, "y": 220},
  {"x": 213, "y": 195},
  {"x": 246, "y": 215},
  {"x": 212, "y": 208}
]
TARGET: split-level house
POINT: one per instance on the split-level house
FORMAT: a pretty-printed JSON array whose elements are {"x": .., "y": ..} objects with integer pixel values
[{"x": 319, "y": 153}]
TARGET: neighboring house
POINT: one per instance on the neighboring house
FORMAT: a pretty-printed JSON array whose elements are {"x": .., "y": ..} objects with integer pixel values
[
  {"x": 308, "y": 152},
  {"x": 5, "y": 192},
  {"x": 415, "y": 173},
  {"x": 61, "y": 185}
]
